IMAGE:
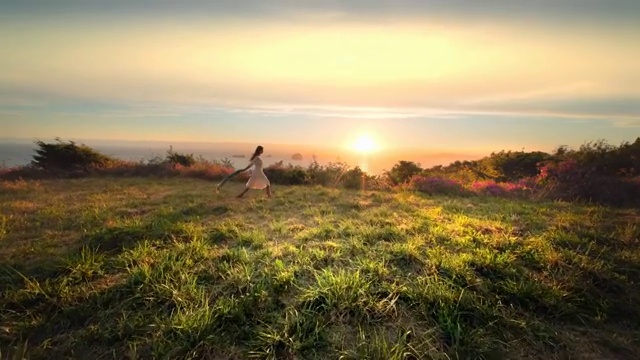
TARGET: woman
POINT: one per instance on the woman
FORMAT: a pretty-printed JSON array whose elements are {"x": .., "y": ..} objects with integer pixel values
[{"x": 258, "y": 179}]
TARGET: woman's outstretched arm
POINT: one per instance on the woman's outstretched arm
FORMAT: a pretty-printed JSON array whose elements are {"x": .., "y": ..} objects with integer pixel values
[
  {"x": 232, "y": 175},
  {"x": 248, "y": 166}
]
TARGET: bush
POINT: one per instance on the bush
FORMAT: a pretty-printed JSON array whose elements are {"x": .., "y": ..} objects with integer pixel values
[
  {"x": 606, "y": 159},
  {"x": 403, "y": 171},
  {"x": 200, "y": 170},
  {"x": 327, "y": 175},
  {"x": 286, "y": 175},
  {"x": 333, "y": 174},
  {"x": 436, "y": 185},
  {"x": 505, "y": 189},
  {"x": 180, "y": 159},
  {"x": 71, "y": 160},
  {"x": 489, "y": 187},
  {"x": 571, "y": 181},
  {"x": 379, "y": 183},
  {"x": 513, "y": 166},
  {"x": 67, "y": 156},
  {"x": 353, "y": 179},
  {"x": 614, "y": 191}
]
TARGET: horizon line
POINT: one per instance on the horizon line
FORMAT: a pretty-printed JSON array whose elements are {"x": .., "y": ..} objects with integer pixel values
[{"x": 432, "y": 151}]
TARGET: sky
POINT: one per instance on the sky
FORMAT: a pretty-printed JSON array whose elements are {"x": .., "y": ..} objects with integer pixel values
[{"x": 423, "y": 74}]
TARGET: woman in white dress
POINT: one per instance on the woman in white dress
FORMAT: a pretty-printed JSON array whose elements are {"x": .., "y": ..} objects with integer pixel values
[{"x": 258, "y": 179}]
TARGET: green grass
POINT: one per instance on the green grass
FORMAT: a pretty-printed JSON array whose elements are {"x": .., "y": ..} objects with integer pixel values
[{"x": 134, "y": 268}]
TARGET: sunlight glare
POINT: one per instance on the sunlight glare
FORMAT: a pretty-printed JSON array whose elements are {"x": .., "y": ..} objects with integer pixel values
[{"x": 365, "y": 144}]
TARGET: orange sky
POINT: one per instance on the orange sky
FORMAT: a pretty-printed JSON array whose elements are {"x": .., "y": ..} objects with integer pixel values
[{"x": 460, "y": 75}]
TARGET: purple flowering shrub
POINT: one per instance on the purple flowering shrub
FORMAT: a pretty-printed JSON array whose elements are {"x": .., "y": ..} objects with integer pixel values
[
  {"x": 563, "y": 181},
  {"x": 440, "y": 185},
  {"x": 504, "y": 189},
  {"x": 488, "y": 187},
  {"x": 597, "y": 173},
  {"x": 570, "y": 180}
]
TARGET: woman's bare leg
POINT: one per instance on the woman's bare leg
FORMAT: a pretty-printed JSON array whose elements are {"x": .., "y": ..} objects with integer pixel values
[
  {"x": 268, "y": 190},
  {"x": 244, "y": 192}
]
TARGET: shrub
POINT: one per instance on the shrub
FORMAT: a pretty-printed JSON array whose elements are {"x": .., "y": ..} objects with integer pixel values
[
  {"x": 615, "y": 191},
  {"x": 460, "y": 171},
  {"x": 327, "y": 175},
  {"x": 403, "y": 171},
  {"x": 489, "y": 187},
  {"x": 353, "y": 179},
  {"x": 436, "y": 185},
  {"x": 286, "y": 175},
  {"x": 180, "y": 159},
  {"x": 571, "y": 181},
  {"x": 380, "y": 183},
  {"x": 226, "y": 162},
  {"x": 505, "y": 189},
  {"x": 507, "y": 166},
  {"x": 200, "y": 170},
  {"x": 68, "y": 156},
  {"x": 526, "y": 186},
  {"x": 606, "y": 159},
  {"x": 513, "y": 166},
  {"x": 565, "y": 180}
]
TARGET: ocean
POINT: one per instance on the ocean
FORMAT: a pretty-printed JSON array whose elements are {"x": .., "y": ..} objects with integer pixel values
[{"x": 17, "y": 154}]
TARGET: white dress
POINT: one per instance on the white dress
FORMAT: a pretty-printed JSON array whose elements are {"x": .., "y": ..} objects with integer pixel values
[{"x": 258, "y": 179}]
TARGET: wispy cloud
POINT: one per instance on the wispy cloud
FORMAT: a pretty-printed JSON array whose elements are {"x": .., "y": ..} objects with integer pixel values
[
  {"x": 344, "y": 112},
  {"x": 563, "y": 91},
  {"x": 625, "y": 120},
  {"x": 572, "y": 60},
  {"x": 364, "y": 65}
]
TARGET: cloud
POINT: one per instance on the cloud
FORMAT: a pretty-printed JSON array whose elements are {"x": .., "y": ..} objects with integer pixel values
[
  {"x": 619, "y": 111},
  {"x": 486, "y": 10},
  {"x": 530, "y": 112},
  {"x": 575, "y": 89},
  {"x": 390, "y": 66},
  {"x": 620, "y": 120},
  {"x": 626, "y": 123},
  {"x": 408, "y": 67},
  {"x": 12, "y": 100},
  {"x": 344, "y": 112}
]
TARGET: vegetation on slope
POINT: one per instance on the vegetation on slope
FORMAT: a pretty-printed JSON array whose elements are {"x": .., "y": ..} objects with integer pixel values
[
  {"x": 595, "y": 173},
  {"x": 103, "y": 268}
]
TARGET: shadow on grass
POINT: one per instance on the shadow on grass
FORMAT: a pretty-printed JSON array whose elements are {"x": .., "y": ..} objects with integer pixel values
[
  {"x": 196, "y": 211},
  {"x": 149, "y": 313},
  {"x": 111, "y": 241}
]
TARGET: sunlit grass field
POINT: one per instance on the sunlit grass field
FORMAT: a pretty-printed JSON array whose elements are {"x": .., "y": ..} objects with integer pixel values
[{"x": 166, "y": 268}]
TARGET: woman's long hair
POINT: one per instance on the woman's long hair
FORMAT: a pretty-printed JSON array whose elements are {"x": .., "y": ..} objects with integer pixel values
[{"x": 258, "y": 151}]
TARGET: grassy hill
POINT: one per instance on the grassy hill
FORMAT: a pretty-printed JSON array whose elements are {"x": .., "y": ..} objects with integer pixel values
[{"x": 150, "y": 268}]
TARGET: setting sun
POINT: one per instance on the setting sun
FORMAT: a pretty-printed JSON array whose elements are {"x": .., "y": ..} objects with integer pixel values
[{"x": 365, "y": 144}]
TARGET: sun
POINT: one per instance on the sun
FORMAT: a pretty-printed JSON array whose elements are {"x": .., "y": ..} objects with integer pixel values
[{"x": 365, "y": 144}]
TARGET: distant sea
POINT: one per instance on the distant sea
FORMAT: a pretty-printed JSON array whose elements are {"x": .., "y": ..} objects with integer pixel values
[
  {"x": 17, "y": 154},
  {"x": 20, "y": 153}
]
